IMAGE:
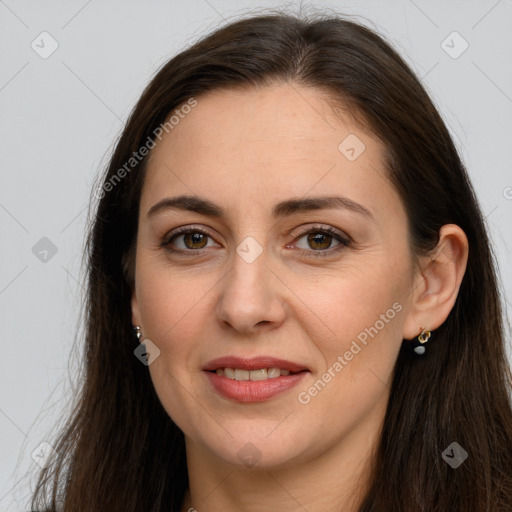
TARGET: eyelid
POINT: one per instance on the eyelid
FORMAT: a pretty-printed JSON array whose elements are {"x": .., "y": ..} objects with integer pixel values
[
  {"x": 184, "y": 230},
  {"x": 328, "y": 228}
]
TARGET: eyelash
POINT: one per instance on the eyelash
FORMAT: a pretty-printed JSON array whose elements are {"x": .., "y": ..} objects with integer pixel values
[{"x": 344, "y": 242}]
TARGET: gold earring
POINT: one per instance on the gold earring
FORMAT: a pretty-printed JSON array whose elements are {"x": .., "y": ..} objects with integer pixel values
[
  {"x": 423, "y": 337},
  {"x": 138, "y": 332}
]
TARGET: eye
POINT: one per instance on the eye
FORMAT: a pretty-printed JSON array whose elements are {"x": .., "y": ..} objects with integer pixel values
[
  {"x": 194, "y": 239},
  {"x": 320, "y": 240}
]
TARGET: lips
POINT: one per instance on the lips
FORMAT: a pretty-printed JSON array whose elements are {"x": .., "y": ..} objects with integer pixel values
[{"x": 232, "y": 377}]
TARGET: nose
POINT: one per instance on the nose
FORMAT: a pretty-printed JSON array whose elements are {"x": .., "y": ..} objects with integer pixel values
[{"x": 251, "y": 296}]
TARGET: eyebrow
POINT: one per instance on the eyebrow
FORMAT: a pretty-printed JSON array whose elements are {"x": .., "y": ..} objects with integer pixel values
[{"x": 283, "y": 209}]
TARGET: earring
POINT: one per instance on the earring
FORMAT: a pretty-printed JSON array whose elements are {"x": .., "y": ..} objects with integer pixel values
[
  {"x": 138, "y": 332},
  {"x": 423, "y": 337}
]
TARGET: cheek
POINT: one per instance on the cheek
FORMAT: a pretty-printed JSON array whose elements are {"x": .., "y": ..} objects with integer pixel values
[
  {"x": 364, "y": 312},
  {"x": 333, "y": 308},
  {"x": 168, "y": 300},
  {"x": 355, "y": 300},
  {"x": 174, "y": 308},
  {"x": 364, "y": 316}
]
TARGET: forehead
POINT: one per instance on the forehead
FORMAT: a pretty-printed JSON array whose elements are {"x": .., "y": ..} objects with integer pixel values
[
  {"x": 278, "y": 141},
  {"x": 265, "y": 116}
]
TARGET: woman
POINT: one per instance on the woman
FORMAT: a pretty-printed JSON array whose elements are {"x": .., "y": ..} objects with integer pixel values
[{"x": 292, "y": 300}]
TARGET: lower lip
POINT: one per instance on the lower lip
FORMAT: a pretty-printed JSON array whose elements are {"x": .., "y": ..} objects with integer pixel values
[{"x": 253, "y": 390}]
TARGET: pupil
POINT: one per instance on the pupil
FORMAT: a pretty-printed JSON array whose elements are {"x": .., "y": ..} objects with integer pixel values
[
  {"x": 320, "y": 238},
  {"x": 195, "y": 238}
]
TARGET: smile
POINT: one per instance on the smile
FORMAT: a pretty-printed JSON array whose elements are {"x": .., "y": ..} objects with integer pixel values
[
  {"x": 255, "y": 375},
  {"x": 255, "y": 379}
]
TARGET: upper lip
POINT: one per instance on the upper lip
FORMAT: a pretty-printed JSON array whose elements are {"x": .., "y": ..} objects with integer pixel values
[{"x": 255, "y": 363}]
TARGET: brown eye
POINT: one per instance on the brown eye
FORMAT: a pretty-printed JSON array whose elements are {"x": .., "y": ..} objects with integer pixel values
[
  {"x": 186, "y": 240},
  {"x": 196, "y": 240},
  {"x": 319, "y": 242}
]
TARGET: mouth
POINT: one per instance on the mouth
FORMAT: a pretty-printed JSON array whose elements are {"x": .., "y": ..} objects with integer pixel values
[
  {"x": 253, "y": 380},
  {"x": 254, "y": 375}
]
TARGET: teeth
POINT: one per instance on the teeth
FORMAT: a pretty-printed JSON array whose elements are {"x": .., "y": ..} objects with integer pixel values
[
  {"x": 241, "y": 375},
  {"x": 263, "y": 374},
  {"x": 274, "y": 372},
  {"x": 258, "y": 374},
  {"x": 229, "y": 373}
]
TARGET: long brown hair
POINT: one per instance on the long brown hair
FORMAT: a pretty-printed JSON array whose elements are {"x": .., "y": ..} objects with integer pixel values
[{"x": 120, "y": 451}]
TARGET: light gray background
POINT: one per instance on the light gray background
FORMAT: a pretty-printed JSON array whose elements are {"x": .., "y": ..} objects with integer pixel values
[{"x": 61, "y": 115}]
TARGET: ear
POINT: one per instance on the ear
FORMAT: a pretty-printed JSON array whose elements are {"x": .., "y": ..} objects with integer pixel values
[{"x": 437, "y": 282}]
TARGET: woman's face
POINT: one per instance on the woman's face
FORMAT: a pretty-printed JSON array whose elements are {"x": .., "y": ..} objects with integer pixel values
[{"x": 265, "y": 285}]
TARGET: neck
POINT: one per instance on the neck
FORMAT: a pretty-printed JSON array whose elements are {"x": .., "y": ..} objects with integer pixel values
[{"x": 337, "y": 479}]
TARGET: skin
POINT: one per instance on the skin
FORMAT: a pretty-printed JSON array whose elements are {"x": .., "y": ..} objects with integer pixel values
[{"x": 246, "y": 150}]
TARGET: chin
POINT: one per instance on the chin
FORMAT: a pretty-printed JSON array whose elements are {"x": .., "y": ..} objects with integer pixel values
[{"x": 258, "y": 450}]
